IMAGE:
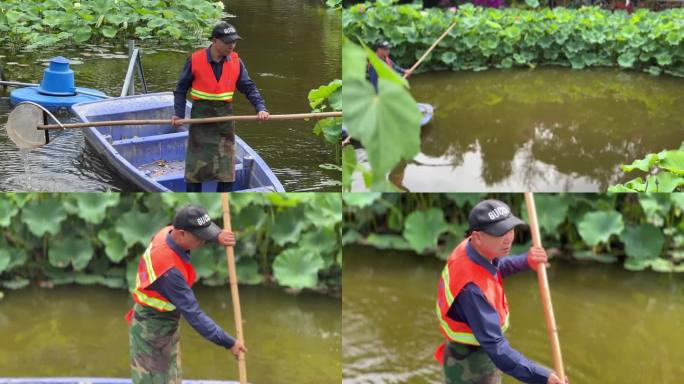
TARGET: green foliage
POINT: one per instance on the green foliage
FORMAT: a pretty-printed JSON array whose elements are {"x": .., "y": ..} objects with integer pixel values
[
  {"x": 52, "y": 239},
  {"x": 507, "y": 37},
  {"x": 643, "y": 231},
  {"x": 36, "y": 23},
  {"x": 376, "y": 118},
  {"x": 665, "y": 173},
  {"x": 320, "y": 99}
]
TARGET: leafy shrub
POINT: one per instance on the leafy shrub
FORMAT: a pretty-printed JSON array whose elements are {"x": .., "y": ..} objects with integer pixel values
[
  {"x": 38, "y": 23},
  {"x": 504, "y": 38},
  {"x": 97, "y": 238}
]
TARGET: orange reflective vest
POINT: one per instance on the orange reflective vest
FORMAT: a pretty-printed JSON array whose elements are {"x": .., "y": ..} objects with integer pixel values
[
  {"x": 205, "y": 86},
  {"x": 458, "y": 272},
  {"x": 157, "y": 259}
]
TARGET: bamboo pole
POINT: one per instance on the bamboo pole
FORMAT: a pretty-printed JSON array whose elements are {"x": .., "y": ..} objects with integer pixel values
[
  {"x": 206, "y": 120},
  {"x": 545, "y": 291},
  {"x": 430, "y": 49},
  {"x": 232, "y": 274}
]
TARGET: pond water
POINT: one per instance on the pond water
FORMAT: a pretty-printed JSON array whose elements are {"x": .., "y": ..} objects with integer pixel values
[
  {"x": 288, "y": 48},
  {"x": 80, "y": 331},
  {"x": 614, "y": 326},
  {"x": 548, "y": 129}
]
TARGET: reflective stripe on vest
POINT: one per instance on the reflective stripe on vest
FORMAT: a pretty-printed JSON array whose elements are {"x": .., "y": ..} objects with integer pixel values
[
  {"x": 204, "y": 84},
  {"x": 457, "y": 331},
  {"x": 157, "y": 259}
]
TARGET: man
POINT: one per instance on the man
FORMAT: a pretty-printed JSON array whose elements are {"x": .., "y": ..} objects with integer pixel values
[
  {"x": 212, "y": 75},
  {"x": 163, "y": 293},
  {"x": 472, "y": 307},
  {"x": 382, "y": 49}
]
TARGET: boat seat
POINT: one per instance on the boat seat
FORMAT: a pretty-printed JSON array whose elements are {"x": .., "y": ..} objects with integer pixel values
[{"x": 136, "y": 140}]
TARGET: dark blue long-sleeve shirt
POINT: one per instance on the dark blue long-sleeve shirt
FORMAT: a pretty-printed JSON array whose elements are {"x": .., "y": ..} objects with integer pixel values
[
  {"x": 244, "y": 85},
  {"x": 172, "y": 285},
  {"x": 373, "y": 74},
  {"x": 471, "y": 307}
]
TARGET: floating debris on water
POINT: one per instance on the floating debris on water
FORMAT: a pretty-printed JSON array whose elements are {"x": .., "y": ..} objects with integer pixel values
[
  {"x": 11, "y": 63},
  {"x": 159, "y": 168}
]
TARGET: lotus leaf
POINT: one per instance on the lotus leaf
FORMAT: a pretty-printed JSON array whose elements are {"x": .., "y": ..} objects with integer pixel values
[
  {"x": 297, "y": 268},
  {"x": 422, "y": 229},
  {"x": 597, "y": 227}
]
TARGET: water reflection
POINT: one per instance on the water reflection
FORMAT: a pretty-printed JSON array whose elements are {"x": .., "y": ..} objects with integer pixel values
[{"x": 548, "y": 129}]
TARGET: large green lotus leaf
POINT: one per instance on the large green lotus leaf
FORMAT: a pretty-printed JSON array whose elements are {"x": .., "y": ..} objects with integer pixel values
[
  {"x": 92, "y": 207},
  {"x": 672, "y": 161},
  {"x": 551, "y": 212},
  {"x": 247, "y": 270},
  {"x": 44, "y": 216},
  {"x": 288, "y": 225},
  {"x": 115, "y": 246},
  {"x": 422, "y": 229},
  {"x": 360, "y": 199},
  {"x": 138, "y": 227},
  {"x": 70, "y": 249},
  {"x": 327, "y": 212},
  {"x": 16, "y": 283},
  {"x": 204, "y": 260},
  {"x": 643, "y": 241},
  {"x": 322, "y": 241},
  {"x": 58, "y": 276},
  {"x": 249, "y": 216},
  {"x": 348, "y": 166},
  {"x": 390, "y": 116},
  {"x": 388, "y": 242},
  {"x": 297, "y": 268},
  {"x": 7, "y": 211},
  {"x": 597, "y": 227}
]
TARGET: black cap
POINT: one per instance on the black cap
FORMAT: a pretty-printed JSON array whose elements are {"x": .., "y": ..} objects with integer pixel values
[
  {"x": 226, "y": 32},
  {"x": 383, "y": 44},
  {"x": 196, "y": 220},
  {"x": 493, "y": 217}
]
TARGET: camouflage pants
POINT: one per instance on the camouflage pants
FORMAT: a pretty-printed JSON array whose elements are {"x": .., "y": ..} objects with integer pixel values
[
  {"x": 210, "y": 153},
  {"x": 464, "y": 364},
  {"x": 155, "y": 348}
]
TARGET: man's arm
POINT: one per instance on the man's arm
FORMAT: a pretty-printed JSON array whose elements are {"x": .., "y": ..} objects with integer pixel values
[
  {"x": 181, "y": 92},
  {"x": 472, "y": 307},
  {"x": 511, "y": 265},
  {"x": 172, "y": 285},
  {"x": 247, "y": 86}
]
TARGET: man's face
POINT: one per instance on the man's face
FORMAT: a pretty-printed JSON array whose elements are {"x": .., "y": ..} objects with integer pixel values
[
  {"x": 224, "y": 48},
  {"x": 492, "y": 246},
  {"x": 384, "y": 52},
  {"x": 190, "y": 241}
]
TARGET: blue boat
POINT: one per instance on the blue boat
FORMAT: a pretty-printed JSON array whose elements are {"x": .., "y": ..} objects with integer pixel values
[
  {"x": 91, "y": 380},
  {"x": 427, "y": 111},
  {"x": 153, "y": 156}
]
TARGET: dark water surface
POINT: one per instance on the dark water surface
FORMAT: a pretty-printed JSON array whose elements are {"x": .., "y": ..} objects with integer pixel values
[
  {"x": 289, "y": 47},
  {"x": 615, "y": 326},
  {"x": 80, "y": 331},
  {"x": 548, "y": 129}
]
